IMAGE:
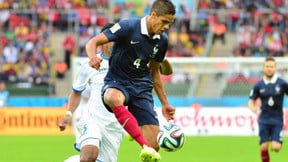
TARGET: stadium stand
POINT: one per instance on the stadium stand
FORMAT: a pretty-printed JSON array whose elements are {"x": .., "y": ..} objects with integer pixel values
[{"x": 35, "y": 32}]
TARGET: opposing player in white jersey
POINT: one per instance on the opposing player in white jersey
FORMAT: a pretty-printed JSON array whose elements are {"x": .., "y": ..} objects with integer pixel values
[{"x": 100, "y": 134}]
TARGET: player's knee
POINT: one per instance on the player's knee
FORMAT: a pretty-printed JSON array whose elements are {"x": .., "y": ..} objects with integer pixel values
[
  {"x": 89, "y": 153},
  {"x": 88, "y": 158},
  {"x": 113, "y": 97},
  {"x": 264, "y": 146},
  {"x": 276, "y": 148}
]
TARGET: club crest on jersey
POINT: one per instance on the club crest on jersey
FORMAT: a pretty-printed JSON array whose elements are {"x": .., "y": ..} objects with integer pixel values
[
  {"x": 155, "y": 51},
  {"x": 277, "y": 89}
]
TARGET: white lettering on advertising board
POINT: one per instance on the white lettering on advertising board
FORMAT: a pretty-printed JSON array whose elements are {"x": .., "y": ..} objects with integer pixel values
[{"x": 215, "y": 121}]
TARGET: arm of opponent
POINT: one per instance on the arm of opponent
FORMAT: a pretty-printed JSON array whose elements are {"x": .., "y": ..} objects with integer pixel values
[
  {"x": 167, "y": 110},
  {"x": 73, "y": 103}
]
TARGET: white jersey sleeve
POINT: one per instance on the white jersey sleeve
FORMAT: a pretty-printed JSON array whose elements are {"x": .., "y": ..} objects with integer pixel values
[{"x": 82, "y": 77}]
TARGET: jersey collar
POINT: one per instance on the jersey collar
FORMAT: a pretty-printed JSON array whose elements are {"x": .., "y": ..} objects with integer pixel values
[
  {"x": 273, "y": 79},
  {"x": 144, "y": 29}
]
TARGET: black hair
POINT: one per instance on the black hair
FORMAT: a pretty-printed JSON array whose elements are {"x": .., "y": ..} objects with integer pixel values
[{"x": 163, "y": 7}]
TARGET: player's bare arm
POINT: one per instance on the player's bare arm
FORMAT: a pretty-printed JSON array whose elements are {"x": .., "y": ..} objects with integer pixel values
[
  {"x": 167, "y": 110},
  {"x": 253, "y": 106},
  {"x": 73, "y": 103},
  {"x": 166, "y": 67},
  {"x": 91, "y": 49}
]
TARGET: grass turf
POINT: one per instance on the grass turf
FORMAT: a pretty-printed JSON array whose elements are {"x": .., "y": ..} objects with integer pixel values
[{"x": 196, "y": 149}]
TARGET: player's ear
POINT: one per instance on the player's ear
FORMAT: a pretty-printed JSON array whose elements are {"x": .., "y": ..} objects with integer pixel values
[{"x": 153, "y": 14}]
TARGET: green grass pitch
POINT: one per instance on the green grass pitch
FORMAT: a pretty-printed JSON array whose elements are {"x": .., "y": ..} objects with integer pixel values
[{"x": 196, "y": 149}]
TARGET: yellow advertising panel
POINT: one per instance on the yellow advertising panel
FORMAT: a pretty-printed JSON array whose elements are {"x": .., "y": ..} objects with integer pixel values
[{"x": 32, "y": 121}]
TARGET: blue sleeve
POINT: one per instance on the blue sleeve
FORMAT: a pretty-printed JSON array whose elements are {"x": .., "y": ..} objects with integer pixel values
[
  {"x": 119, "y": 31},
  {"x": 254, "y": 93}
]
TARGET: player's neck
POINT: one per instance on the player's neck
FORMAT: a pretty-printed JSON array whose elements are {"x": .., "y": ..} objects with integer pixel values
[
  {"x": 268, "y": 78},
  {"x": 149, "y": 28}
]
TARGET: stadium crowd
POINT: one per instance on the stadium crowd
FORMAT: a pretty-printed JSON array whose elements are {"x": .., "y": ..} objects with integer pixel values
[{"x": 26, "y": 26}]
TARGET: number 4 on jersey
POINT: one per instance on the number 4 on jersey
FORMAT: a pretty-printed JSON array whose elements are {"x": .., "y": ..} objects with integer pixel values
[{"x": 137, "y": 63}]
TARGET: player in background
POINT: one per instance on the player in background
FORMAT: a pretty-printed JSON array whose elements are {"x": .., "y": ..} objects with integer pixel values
[
  {"x": 100, "y": 134},
  {"x": 129, "y": 82},
  {"x": 270, "y": 90}
]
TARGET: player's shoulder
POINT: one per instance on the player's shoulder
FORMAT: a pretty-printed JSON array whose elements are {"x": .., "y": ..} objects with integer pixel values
[
  {"x": 131, "y": 20},
  {"x": 85, "y": 64},
  {"x": 84, "y": 68},
  {"x": 259, "y": 84},
  {"x": 129, "y": 23},
  {"x": 282, "y": 81}
]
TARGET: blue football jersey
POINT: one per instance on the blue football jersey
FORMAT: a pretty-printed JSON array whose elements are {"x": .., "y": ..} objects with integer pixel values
[
  {"x": 272, "y": 97},
  {"x": 133, "y": 49}
]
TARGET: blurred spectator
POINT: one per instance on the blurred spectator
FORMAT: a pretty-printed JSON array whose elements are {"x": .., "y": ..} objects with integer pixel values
[
  {"x": 10, "y": 72},
  {"x": 4, "y": 94},
  {"x": 219, "y": 31},
  {"x": 9, "y": 33},
  {"x": 69, "y": 45},
  {"x": 21, "y": 30},
  {"x": 2, "y": 73},
  {"x": 83, "y": 39},
  {"x": 60, "y": 68},
  {"x": 4, "y": 16},
  {"x": 10, "y": 53},
  {"x": 234, "y": 17},
  {"x": 3, "y": 39}
]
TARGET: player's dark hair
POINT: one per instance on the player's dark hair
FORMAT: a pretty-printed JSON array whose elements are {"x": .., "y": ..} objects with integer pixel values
[
  {"x": 163, "y": 7},
  {"x": 107, "y": 26},
  {"x": 269, "y": 59}
]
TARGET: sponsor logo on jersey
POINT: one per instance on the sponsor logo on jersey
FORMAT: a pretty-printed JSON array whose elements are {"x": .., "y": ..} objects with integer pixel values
[
  {"x": 134, "y": 42},
  {"x": 103, "y": 69}
]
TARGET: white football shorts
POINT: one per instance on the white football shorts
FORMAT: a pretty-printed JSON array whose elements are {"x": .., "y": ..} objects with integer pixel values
[{"x": 106, "y": 137}]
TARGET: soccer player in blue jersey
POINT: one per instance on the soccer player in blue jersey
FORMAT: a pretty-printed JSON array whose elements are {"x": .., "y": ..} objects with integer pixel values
[
  {"x": 129, "y": 82},
  {"x": 270, "y": 90}
]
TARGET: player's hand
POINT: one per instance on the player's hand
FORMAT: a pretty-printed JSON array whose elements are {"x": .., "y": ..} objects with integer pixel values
[
  {"x": 64, "y": 122},
  {"x": 95, "y": 62},
  {"x": 255, "y": 110},
  {"x": 168, "y": 112}
]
